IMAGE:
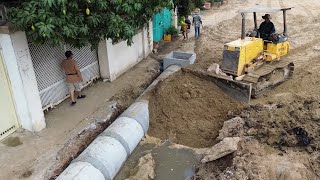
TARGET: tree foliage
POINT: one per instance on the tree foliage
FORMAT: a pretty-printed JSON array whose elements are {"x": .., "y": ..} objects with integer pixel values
[
  {"x": 199, "y": 3},
  {"x": 185, "y": 7},
  {"x": 83, "y": 22}
]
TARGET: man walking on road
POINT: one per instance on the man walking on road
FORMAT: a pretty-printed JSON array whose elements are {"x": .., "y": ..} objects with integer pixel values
[
  {"x": 197, "y": 23},
  {"x": 74, "y": 77}
]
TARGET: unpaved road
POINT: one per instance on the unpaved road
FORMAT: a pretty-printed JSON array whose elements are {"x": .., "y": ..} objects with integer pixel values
[
  {"x": 304, "y": 35},
  {"x": 273, "y": 150},
  {"x": 221, "y": 26}
]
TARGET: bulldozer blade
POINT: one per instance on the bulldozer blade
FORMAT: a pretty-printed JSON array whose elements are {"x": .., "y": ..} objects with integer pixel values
[{"x": 235, "y": 89}]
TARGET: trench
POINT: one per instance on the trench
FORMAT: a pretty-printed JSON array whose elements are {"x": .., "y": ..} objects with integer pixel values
[
  {"x": 170, "y": 163},
  {"x": 196, "y": 127}
]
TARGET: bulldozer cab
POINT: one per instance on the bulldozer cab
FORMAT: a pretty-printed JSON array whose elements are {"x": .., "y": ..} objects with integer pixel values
[{"x": 262, "y": 9}]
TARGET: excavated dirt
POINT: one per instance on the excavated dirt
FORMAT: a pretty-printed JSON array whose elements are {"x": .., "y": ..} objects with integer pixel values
[
  {"x": 275, "y": 124},
  {"x": 189, "y": 110},
  {"x": 272, "y": 148},
  {"x": 254, "y": 160},
  {"x": 280, "y": 130}
]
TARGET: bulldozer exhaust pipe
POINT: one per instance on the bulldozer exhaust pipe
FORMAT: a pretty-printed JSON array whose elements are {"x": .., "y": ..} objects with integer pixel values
[
  {"x": 243, "y": 29},
  {"x": 285, "y": 31},
  {"x": 255, "y": 21}
]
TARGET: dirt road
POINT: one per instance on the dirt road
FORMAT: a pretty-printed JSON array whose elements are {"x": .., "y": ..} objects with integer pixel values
[
  {"x": 271, "y": 148},
  {"x": 303, "y": 29}
]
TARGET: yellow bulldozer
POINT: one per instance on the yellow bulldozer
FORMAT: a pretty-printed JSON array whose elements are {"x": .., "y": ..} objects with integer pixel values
[{"x": 255, "y": 64}]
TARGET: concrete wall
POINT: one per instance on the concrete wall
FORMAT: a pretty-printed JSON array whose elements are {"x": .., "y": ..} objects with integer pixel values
[
  {"x": 174, "y": 17},
  {"x": 116, "y": 59},
  {"x": 122, "y": 57},
  {"x": 148, "y": 39},
  {"x": 24, "y": 85},
  {"x": 103, "y": 60}
]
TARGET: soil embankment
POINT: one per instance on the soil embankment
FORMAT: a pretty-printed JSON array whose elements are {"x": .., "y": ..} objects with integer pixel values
[{"x": 189, "y": 110}]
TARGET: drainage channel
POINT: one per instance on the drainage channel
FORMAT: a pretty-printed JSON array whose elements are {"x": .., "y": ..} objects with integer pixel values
[
  {"x": 104, "y": 157},
  {"x": 170, "y": 163}
]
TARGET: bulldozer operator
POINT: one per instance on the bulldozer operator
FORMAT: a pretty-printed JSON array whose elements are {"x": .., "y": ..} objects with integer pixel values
[{"x": 266, "y": 28}]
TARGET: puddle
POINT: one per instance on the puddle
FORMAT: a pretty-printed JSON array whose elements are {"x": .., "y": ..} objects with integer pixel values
[
  {"x": 12, "y": 142},
  {"x": 27, "y": 174},
  {"x": 175, "y": 164}
]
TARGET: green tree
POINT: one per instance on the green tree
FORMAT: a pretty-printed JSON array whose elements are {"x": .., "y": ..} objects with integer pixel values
[
  {"x": 83, "y": 22},
  {"x": 185, "y": 7},
  {"x": 198, "y": 3}
]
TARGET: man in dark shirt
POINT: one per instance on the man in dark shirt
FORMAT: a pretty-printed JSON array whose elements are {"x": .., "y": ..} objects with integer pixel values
[{"x": 266, "y": 28}]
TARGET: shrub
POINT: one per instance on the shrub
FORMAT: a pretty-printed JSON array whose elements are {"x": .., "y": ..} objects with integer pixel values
[
  {"x": 172, "y": 31},
  {"x": 180, "y": 19}
]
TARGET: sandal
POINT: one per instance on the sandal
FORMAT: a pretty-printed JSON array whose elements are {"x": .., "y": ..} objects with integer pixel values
[{"x": 82, "y": 97}]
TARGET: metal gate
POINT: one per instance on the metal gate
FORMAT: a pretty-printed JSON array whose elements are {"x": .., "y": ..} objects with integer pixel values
[
  {"x": 8, "y": 117},
  {"x": 161, "y": 22},
  {"x": 47, "y": 61}
]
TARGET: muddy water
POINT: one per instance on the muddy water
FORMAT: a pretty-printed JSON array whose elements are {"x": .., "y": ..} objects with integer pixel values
[{"x": 175, "y": 164}]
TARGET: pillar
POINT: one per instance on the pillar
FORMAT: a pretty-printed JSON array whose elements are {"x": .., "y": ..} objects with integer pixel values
[{"x": 23, "y": 81}]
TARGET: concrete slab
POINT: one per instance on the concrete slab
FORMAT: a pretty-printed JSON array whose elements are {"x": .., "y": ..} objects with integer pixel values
[{"x": 182, "y": 59}]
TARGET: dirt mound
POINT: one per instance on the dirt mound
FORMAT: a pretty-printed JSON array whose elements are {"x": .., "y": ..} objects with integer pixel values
[
  {"x": 254, "y": 160},
  {"x": 281, "y": 124},
  {"x": 189, "y": 110},
  {"x": 281, "y": 141},
  {"x": 293, "y": 124}
]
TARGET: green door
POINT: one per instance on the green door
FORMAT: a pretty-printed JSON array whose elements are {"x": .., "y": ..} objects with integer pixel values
[
  {"x": 157, "y": 27},
  {"x": 161, "y": 22},
  {"x": 166, "y": 16}
]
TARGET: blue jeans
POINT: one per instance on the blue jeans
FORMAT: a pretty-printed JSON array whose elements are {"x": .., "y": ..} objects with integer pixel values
[{"x": 196, "y": 32}]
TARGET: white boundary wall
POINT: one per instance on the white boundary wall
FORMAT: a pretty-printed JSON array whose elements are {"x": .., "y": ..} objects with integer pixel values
[{"x": 116, "y": 59}]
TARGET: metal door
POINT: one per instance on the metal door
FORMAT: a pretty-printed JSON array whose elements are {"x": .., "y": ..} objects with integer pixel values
[
  {"x": 8, "y": 118},
  {"x": 166, "y": 16},
  {"x": 161, "y": 22},
  {"x": 50, "y": 77},
  {"x": 157, "y": 27}
]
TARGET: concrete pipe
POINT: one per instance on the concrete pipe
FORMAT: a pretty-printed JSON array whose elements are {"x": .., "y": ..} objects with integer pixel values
[
  {"x": 139, "y": 111},
  {"x": 104, "y": 157},
  {"x": 127, "y": 131},
  {"x": 81, "y": 171},
  {"x": 106, "y": 154}
]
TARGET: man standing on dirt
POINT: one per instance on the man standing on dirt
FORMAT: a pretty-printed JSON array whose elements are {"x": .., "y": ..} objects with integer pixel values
[
  {"x": 266, "y": 28},
  {"x": 197, "y": 22},
  {"x": 74, "y": 77}
]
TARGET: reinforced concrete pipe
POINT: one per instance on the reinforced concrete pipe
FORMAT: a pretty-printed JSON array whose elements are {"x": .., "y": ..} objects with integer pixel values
[{"x": 103, "y": 158}]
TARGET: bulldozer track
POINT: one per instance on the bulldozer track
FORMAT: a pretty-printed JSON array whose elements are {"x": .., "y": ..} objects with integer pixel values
[{"x": 265, "y": 70}]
